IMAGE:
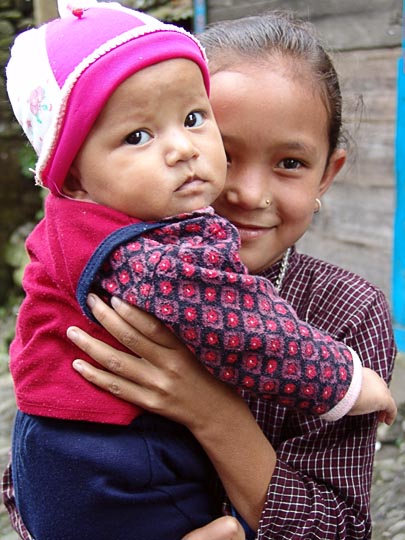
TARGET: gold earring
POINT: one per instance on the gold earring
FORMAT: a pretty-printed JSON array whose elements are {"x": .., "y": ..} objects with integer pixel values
[
  {"x": 318, "y": 206},
  {"x": 267, "y": 201}
]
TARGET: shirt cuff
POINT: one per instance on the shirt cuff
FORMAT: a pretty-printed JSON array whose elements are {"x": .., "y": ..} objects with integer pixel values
[{"x": 350, "y": 398}]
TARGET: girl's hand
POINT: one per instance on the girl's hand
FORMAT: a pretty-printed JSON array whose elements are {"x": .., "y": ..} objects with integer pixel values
[
  {"x": 224, "y": 528},
  {"x": 165, "y": 378}
]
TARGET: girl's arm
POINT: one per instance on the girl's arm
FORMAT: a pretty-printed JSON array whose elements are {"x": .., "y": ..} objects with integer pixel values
[
  {"x": 170, "y": 382},
  {"x": 167, "y": 380}
]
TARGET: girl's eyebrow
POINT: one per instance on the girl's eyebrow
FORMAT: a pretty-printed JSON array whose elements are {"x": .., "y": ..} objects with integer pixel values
[
  {"x": 298, "y": 145},
  {"x": 293, "y": 145}
]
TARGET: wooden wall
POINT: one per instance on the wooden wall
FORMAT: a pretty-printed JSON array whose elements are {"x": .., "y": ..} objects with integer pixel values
[
  {"x": 355, "y": 226},
  {"x": 347, "y": 24}
]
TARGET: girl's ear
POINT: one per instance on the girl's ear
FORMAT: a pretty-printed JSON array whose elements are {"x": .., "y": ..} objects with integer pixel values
[
  {"x": 336, "y": 162},
  {"x": 72, "y": 186}
]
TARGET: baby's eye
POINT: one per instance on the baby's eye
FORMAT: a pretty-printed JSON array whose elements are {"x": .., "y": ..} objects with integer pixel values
[
  {"x": 290, "y": 163},
  {"x": 138, "y": 137},
  {"x": 194, "y": 119}
]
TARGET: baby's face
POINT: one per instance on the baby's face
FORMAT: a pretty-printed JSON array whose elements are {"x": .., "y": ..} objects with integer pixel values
[{"x": 155, "y": 150}]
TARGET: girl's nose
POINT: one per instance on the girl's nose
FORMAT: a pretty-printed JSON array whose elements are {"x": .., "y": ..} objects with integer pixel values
[
  {"x": 248, "y": 191},
  {"x": 180, "y": 148}
]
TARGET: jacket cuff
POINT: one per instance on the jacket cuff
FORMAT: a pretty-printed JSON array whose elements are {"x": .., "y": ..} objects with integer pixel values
[{"x": 351, "y": 396}]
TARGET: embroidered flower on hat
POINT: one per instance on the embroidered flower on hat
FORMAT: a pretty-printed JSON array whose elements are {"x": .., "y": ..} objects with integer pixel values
[{"x": 38, "y": 103}]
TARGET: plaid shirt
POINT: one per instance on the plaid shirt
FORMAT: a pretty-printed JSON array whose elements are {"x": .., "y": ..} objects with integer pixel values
[
  {"x": 9, "y": 502},
  {"x": 320, "y": 487}
]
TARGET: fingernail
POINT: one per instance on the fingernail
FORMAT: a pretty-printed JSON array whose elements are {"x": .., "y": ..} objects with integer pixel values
[
  {"x": 115, "y": 302},
  {"x": 78, "y": 366},
  {"x": 91, "y": 301},
  {"x": 72, "y": 334}
]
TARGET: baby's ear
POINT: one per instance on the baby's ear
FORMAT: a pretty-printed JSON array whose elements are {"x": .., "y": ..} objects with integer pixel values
[{"x": 72, "y": 186}]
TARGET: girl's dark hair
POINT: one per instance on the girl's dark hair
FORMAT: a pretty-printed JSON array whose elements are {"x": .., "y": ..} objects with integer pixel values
[{"x": 276, "y": 33}]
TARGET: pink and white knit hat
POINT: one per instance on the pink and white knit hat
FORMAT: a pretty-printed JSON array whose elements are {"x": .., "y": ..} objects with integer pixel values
[{"x": 61, "y": 74}]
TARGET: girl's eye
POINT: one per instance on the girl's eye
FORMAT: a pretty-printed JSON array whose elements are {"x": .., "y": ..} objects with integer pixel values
[
  {"x": 290, "y": 164},
  {"x": 194, "y": 119},
  {"x": 138, "y": 137}
]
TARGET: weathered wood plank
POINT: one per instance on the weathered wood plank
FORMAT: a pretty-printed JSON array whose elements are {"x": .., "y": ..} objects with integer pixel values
[
  {"x": 355, "y": 226},
  {"x": 344, "y": 24}
]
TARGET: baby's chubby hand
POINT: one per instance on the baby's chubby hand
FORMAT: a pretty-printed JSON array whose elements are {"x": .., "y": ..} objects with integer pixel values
[{"x": 375, "y": 396}]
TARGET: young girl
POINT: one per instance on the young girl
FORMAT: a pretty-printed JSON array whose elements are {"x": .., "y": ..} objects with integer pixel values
[
  {"x": 277, "y": 101},
  {"x": 265, "y": 223}
]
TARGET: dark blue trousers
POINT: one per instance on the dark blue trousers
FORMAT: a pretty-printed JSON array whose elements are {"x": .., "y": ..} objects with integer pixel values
[{"x": 83, "y": 481}]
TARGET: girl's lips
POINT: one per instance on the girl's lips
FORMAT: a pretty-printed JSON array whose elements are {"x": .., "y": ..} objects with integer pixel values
[{"x": 250, "y": 232}]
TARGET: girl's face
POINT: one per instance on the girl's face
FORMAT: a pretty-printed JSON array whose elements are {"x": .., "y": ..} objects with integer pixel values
[{"x": 274, "y": 128}]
